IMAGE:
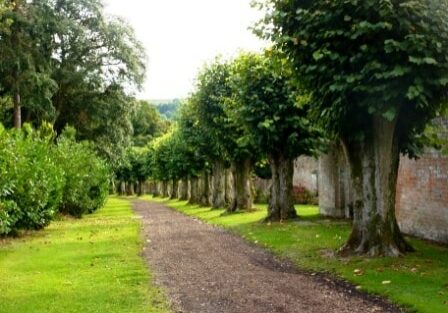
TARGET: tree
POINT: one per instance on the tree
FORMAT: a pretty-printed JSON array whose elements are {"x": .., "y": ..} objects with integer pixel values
[
  {"x": 97, "y": 64},
  {"x": 378, "y": 74},
  {"x": 273, "y": 113},
  {"x": 24, "y": 70},
  {"x": 212, "y": 91},
  {"x": 147, "y": 123}
]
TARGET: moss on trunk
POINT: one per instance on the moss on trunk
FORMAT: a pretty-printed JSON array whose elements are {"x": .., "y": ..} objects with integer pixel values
[
  {"x": 374, "y": 166},
  {"x": 281, "y": 202},
  {"x": 218, "y": 190}
]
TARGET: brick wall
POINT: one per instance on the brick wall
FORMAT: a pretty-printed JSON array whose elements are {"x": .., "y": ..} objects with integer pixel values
[{"x": 422, "y": 196}]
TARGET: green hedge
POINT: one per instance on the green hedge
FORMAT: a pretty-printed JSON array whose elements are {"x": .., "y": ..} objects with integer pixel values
[{"x": 38, "y": 178}]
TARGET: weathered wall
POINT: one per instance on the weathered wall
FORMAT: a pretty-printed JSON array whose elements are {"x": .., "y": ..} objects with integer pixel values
[
  {"x": 334, "y": 184},
  {"x": 422, "y": 196},
  {"x": 306, "y": 171}
]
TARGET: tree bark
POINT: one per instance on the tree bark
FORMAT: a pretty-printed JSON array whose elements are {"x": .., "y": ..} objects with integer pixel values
[
  {"x": 374, "y": 166},
  {"x": 129, "y": 189},
  {"x": 122, "y": 190},
  {"x": 16, "y": 97},
  {"x": 205, "y": 189},
  {"x": 218, "y": 190},
  {"x": 242, "y": 199},
  {"x": 281, "y": 202},
  {"x": 156, "y": 191},
  {"x": 194, "y": 191},
  {"x": 228, "y": 187},
  {"x": 164, "y": 190},
  {"x": 183, "y": 190},
  {"x": 175, "y": 189}
]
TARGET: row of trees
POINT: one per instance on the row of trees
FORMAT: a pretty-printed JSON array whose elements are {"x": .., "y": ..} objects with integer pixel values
[{"x": 370, "y": 75}]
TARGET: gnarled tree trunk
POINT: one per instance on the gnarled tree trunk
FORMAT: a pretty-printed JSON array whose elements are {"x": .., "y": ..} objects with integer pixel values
[
  {"x": 175, "y": 189},
  {"x": 281, "y": 202},
  {"x": 194, "y": 191},
  {"x": 183, "y": 189},
  {"x": 204, "y": 189},
  {"x": 242, "y": 186},
  {"x": 374, "y": 169},
  {"x": 218, "y": 190}
]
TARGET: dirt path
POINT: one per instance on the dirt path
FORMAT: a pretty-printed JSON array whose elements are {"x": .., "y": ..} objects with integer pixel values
[{"x": 206, "y": 269}]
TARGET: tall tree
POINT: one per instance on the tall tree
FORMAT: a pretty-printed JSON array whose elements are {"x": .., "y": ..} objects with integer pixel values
[
  {"x": 24, "y": 70},
  {"x": 212, "y": 91},
  {"x": 272, "y": 111},
  {"x": 378, "y": 72}
]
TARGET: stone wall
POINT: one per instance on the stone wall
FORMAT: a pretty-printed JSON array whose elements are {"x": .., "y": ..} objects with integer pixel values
[{"x": 306, "y": 171}]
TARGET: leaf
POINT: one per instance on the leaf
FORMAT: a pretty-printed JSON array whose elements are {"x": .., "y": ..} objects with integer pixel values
[{"x": 390, "y": 114}]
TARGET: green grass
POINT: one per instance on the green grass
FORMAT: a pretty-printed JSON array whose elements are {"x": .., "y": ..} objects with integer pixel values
[
  {"x": 418, "y": 281},
  {"x": 87, "y": 265}
]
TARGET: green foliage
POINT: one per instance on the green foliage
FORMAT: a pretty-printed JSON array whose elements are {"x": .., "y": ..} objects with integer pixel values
[
  {"x": 86, "y": 175},
  {"x": 147, "y": 123},
  {"x": 31, "y": 182},
  {"x": 385, "y": 58},
  {"x": 168, "y": 108},
  {"x": 269, "y": 107},
  {"x": 40, "y": 179}
]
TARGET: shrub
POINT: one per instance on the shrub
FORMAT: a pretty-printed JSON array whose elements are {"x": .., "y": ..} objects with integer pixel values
[
  {"x": 30, "y": 181},
  {"x": 86, "y": 176}
]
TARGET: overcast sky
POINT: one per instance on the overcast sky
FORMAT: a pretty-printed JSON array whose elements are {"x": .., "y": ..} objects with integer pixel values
[{"x": 180, "y": 35}]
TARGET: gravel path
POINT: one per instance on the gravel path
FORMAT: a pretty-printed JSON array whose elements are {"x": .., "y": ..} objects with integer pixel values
[{"x": 208, "y": 270}]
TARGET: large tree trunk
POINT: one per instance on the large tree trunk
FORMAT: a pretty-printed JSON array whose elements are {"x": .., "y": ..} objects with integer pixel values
[
  {"x": 242, "y": 186},
  {"x": 194, "y": 191},
  {"x": 139, "y": 188},
  {"x": 183, "y": 190},
  {"x": 205, "y": 189},
  {"x": 374, "y": 170},
  {"x": 175, "y": 190},
  {"x": 281, "y": 202},
  {"x": 17, "y": 110},
  {"x": 218, "y": 190},
  {"x": 165, "y": 192}
]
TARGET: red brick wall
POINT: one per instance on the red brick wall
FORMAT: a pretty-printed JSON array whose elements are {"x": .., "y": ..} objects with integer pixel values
[{"x": 422, "y": 196}]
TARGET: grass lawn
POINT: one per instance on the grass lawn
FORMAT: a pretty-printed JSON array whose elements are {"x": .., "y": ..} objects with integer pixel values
[
  {"x": 418, "y": 281},
  {"x": 86, "y": 265}
]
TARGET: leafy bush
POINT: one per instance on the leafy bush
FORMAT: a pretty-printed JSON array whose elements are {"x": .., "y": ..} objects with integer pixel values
[
  {"x": 30, "y": 181},
  {"x": 86, "y": 176},
  {"x": 38, "y": 179}
]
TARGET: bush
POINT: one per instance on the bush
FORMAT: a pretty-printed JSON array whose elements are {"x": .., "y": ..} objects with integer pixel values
[
  {"x": 86, "y": 176},
  {"x": 30, "y": 181},
  {"x": 38, "y": 179}
]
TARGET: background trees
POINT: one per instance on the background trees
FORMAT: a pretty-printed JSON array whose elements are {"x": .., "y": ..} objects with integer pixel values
[{"x": 378, "y": 74}]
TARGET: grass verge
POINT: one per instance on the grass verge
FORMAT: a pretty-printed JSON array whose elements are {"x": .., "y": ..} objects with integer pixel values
[
  {"x": 86, "y": 265},
  {"x": 418, "y": 281}
]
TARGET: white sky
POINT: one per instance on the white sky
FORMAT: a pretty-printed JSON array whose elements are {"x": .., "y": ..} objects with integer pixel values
[{"x": 180, "y": 35}]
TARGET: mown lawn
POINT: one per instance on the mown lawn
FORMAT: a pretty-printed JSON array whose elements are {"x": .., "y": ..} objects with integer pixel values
[
  {"x": 87, "y": 265},
  {"x": 418, "y": 281}
]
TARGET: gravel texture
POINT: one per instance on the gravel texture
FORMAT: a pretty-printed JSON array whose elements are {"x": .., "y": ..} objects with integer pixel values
[{"x": 205, "y": 269}]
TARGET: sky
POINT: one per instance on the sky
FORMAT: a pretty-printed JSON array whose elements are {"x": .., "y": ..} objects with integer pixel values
[{"x": 181, "y": 35}]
